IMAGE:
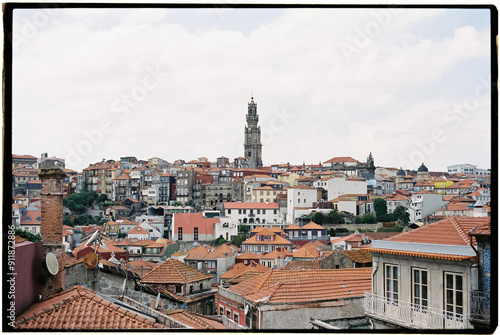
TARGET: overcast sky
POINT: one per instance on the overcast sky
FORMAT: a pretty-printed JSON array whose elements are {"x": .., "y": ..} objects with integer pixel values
[{"x": 408, "y": 85}]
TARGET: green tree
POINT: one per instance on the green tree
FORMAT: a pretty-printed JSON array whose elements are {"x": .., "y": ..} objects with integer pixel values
[
  {"x": 122, "y": 235},
  {"x": 243, "y": 229},
  {"x": 238, "y": 240},
  {"x": 102, "y": 198},
  {"x": 366, "y": 218},
  {"x": 67, "y": 221},
  {"x": 27, "y": 235},
  {"x": 336, "y": 217},
  {"x": 318, "y": 218},
  {"x": 380, "y": 206},
  {"x": 219, "y": 240},
  {"x": 401, "y": 214},
  {"x": 79, "y": 201}
]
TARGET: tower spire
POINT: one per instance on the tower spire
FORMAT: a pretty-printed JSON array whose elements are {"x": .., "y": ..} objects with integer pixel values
[{"x": 252, "y": 144}]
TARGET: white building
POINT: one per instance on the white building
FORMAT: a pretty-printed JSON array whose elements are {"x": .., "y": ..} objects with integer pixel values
[
  {"x": 343, "y": 185},
  {"x": 468, "y": 169},
  {"x": 144, "y": 231},
  {"x": 254, "y": 214},
  {"x": 299, "y": 197},
  {"x": 424, "y": 203}
]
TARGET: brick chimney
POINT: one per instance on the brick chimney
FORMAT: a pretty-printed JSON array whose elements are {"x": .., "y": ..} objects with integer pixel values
[{"x": 51, "y": 176}]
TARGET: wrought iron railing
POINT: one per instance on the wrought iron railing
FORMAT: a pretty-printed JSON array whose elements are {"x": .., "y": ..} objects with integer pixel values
[
  {"x": 480, "y": 305},
  {"x": 412, "y": 316}
]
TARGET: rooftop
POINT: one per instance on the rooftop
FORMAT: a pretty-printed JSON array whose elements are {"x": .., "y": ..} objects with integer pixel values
[
  {"x": 81, "y": 309},
  {"x": 174, "y": 271}
]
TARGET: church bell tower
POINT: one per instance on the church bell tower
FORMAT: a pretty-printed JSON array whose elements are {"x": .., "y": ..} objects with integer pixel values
[{"x": 253, "y": 147}]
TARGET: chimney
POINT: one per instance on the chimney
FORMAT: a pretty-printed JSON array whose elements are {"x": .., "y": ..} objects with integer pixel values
[{"x": 51, "y": 176}]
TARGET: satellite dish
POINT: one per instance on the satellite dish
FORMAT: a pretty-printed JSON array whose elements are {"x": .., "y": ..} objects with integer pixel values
[
  {"x": 52, "y": 263},
  {"x": 90, "y": 260}
]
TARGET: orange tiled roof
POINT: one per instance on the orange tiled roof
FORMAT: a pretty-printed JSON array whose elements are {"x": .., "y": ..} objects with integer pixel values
[
  {"x": 239, "y": 268},
  {"x": 312, "y": 225},
  {"x": 195, "y": 320},
  {"x": 450, "y": 231},
  {"x": 482, "y": 229},
  {"x": 249, "y": 255},
  {"x": 277, "y": 254},
  {"x": 174, "y": 271},
  {"x": 220, "y": 251},
  {"x": 310, "y": 291},
  {"x": 302, "y": 265},
  {"x": 341, "y": 160},
  {"x": 292, "y": 226},
  {"x": 359, "y": 255},
  {"x": 138, "y": 230},
  {"x": 277, "y": 239},
  {"x": 299, "y": 276},
  {"x": 109, "y": 247},
  {"x": 306, "y": 253},
  {"x": 275, "y": 230},
  {"x": 420, "y": 254},
  {"x": 81, "y": 309}
]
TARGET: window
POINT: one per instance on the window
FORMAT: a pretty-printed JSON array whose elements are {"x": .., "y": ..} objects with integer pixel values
[
  {"x": 195, "y": 234},
  {"x": 201, "y": 287},
  {"x": 179, "y": 233},
  {"x": 298, "y": 201},
  {"x": 228, "y": 211},
  {"x": 258, "y": 211},
  {"x": 178, "y": 289},
  {"x": 221, "y": 310},
  {"x": 236, "y": 318},
  {"x": 258, "y": 237},
  {"x": 244, "y": 211},
  {"x": 454, "y": 304},
  {"x": 228, "y": 313},
  {"x": 239, "y": 211},
  {"x": 263, "y": 211},
  {"x": 275, "y": 211},
  {"x": 420, "y": 289},
  {"x": 391, "y": 283}
]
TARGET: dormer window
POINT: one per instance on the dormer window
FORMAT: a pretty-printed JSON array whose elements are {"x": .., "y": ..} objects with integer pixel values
[
  {"x": 39, "y": 219},
  {"x": 258, "y": 237}
]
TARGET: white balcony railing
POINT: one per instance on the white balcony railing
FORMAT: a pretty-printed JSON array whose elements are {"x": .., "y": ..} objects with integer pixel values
[{"x": 411, "y": 316}]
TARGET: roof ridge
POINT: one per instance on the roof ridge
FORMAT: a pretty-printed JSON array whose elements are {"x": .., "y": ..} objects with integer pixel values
[
  {"x": 176, "y": 269},
  {"x": 460, "y": 230}
]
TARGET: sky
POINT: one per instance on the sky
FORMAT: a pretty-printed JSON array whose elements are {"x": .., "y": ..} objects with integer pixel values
[{"x": 407, "y": 85}]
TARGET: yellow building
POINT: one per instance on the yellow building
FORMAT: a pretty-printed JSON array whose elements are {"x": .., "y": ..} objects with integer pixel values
[
  {"x": 289, "y": 177},
  {"x": 441, "y": 184},
  {"x": 265, "y": 194}
]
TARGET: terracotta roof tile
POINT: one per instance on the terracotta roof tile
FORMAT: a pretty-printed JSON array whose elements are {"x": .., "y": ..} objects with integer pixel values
[
  {"x": 249, "y": 255},
  {"x": 420, "y": 254},
  {"x": 299, "y": 276},
  {"x": 302, "y": 265},
  {"x": 277, "y": 239},
  {"x": 81, "y": 309},
  {"x": 174, "y": 271},
  {"x": 195, "y": 320},
  {"x": 310, "y": 291},
  {"x": 312, "y": 225},
  {"x": 450, "y": 231},
  {"x": 359, "y": 255},
  {"x": 341, "y": 160},
  {"x": 239, "y": 269}
]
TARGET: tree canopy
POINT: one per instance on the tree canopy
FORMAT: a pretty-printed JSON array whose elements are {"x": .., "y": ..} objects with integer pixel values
[{"x": 336, "y": 217}]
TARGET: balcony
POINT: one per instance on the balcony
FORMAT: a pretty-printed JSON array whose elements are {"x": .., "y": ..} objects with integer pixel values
[
  {"x": 410, "y": 316},
  {"x": 480, "y": 307}
]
